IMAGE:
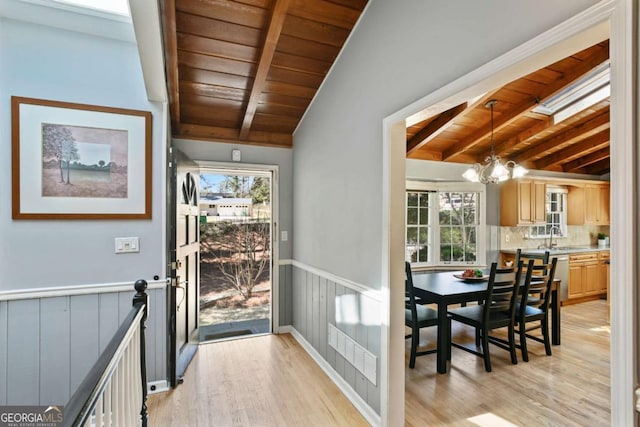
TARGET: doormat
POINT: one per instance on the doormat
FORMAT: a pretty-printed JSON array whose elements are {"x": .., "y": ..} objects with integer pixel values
[{"x": 227, "y": 334}]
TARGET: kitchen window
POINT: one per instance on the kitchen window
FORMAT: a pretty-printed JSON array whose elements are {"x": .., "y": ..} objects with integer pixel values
[
  {"x": 556, "y": 211},
  {"x": 444, "y": 224}
]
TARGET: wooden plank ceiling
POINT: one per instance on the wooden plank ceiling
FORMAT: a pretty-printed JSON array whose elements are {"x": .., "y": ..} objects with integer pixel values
[
  {"x": 578, "y": 144},
  {"x": 245, "y": 71}
]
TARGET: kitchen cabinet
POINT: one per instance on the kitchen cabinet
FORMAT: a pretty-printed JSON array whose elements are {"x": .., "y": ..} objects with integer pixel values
[
  {"x": 588, "y": 204},
  {"x": 604, "y": 274},
  {"x": 523, "y": 202},
  {"x": 585, "y": 277}
]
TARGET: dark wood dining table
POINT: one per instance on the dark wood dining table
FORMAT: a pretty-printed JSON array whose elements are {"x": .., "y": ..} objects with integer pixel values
[{"x": 443, "y": 289}]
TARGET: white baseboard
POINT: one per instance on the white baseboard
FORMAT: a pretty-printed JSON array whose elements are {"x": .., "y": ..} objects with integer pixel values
[
  {"x": 287, "y": 329},
  {"x": 154, "y": 387},
  {"x": 367, "y": 412}
]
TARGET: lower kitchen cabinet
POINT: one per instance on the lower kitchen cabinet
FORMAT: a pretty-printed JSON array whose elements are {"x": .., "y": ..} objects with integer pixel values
[
  {"x": 604, "y": 274},
  {"x": 587, "y": 275}
]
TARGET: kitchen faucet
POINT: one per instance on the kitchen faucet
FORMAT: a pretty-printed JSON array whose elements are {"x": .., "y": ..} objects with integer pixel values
[{"x": 553, "y": 227}]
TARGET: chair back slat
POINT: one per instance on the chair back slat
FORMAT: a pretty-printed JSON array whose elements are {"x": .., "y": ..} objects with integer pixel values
[
  {"x": 538, "y": 258},
  {"x": 501, "y": 289},
  {"x": 538, "y": 282}
]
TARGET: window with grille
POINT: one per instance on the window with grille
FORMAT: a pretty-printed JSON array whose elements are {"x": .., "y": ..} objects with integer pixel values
[
  {"x": 556, "y": 211},
  {"x": 443, "y": 226}
]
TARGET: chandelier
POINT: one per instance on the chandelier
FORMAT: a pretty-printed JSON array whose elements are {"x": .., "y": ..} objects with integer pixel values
[{"x": 493, "y": 170}]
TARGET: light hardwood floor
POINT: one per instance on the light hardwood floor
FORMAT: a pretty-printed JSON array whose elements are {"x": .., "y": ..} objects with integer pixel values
[
  {"x": 271, "y": 381},
  {"x": 569, "y": 388},
  {"x": 263, "y": 381}
]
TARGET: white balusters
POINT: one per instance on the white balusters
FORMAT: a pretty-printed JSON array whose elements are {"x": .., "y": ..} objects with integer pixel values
[{"x": 120, "y": 402}]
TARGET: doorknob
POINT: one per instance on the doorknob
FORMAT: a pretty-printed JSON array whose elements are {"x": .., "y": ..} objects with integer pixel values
[{"x": 179, "y": 285}]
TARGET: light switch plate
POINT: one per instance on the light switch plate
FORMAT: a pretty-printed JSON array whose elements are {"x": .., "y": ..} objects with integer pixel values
[{"x": 126, "y": 245}]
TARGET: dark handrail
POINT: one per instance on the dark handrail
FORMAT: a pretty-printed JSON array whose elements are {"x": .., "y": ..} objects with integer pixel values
[{"x": 83, "y": 401}]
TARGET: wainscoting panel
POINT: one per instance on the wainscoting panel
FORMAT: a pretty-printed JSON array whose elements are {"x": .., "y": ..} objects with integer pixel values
[
  {"x": 319, "y": 300},
  {"x": 156, "y": 335},
  {"x": 4, "y": 353},
  {"x": 23, "y": 342},
  {"x": 285, "y": 297},
  {"x": 84, "y": 331},
  {"x": 55, "y": 342},
  {"x": 48, "y": 344}
]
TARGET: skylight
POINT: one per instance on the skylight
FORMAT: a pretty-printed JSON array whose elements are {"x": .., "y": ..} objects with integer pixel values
[
  {"x": 121, "y": 7},
  {"x": 582, "y": 94}
]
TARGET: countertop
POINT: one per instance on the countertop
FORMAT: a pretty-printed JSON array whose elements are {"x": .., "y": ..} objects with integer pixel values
[{"x": 561, "y": 249}]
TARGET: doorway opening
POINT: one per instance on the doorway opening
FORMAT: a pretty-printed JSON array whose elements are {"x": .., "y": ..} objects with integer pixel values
[
  {"x": 236, "y": 262},
  {"x": 622, "y": 132}
]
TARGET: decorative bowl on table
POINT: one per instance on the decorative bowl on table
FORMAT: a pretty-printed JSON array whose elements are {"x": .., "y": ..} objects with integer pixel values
[{"x": 470, "y": 275}]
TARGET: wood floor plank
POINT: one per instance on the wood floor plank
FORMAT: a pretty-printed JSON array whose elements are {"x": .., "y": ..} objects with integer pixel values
[{"x": 262, "y": 381}]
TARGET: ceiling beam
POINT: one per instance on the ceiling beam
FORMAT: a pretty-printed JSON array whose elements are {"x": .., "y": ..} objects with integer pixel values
[
  {"x": 581, "y": 162},
  {"x": 599, "y": 168},
  {"x": 171, "y": 61},
  {"x": 434, "y": 128},
  {"x": 221, "y": 134},
  {"x": 589, "y": 125},
  {"x": 517, "y": 111},
  {"x": 588, "y": 144},
  {"x": 266, "y": 57},
  {"x": 426, "y": 154}
]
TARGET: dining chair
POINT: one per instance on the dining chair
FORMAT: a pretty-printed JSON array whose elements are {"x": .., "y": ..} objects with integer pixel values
[
  {"x": 537, "y": 284},
  {"x": 416, "y": 317},
  {"x": 539, "y": 259},
  {"x": 496, "y": 311}
]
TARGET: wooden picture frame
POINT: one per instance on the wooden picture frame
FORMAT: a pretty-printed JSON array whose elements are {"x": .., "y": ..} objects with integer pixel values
[{"x": 78, "y": 161}]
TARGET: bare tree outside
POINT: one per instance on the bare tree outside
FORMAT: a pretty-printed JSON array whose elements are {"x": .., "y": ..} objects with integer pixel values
[{"x": 240, "y": 250}]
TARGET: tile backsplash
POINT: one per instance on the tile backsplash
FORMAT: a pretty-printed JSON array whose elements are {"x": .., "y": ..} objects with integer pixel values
[{"x": 577, "y": 235}]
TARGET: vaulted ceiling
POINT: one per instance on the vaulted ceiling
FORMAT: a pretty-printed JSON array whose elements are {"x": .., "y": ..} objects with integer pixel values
[
  {"x": 245, "y": 71},
  {"x": 577, "y": 144}
]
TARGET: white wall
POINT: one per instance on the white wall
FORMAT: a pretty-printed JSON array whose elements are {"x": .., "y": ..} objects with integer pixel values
[
  {"x": 399, "y": 52},
  {"x": 55, "y": 64}
]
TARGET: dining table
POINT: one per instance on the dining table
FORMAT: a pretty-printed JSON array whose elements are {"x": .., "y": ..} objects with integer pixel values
[{"x": 443, "y": 288}]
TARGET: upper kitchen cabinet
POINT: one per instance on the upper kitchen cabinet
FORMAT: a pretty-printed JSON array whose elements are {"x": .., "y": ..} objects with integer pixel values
[
  {"x": 522, "y": 202},
  {"x": 588, "y": 204}
]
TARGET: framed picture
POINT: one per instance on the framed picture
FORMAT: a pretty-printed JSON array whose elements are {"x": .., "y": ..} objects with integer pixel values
[{"x": 76, "y": 161}]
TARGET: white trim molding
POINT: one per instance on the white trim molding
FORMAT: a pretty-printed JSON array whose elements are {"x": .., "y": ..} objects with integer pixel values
[
  {"x": 625, "y": 217},
  {"x": 367, "y": 412},
  {"x": 62, "y": 291},
  {"x": 361, "y": 289}
]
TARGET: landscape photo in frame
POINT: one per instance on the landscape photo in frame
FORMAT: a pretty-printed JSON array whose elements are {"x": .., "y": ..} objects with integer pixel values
[
  {"x": 79, "y": 161},
  {"x": 83, "y": 162}
]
